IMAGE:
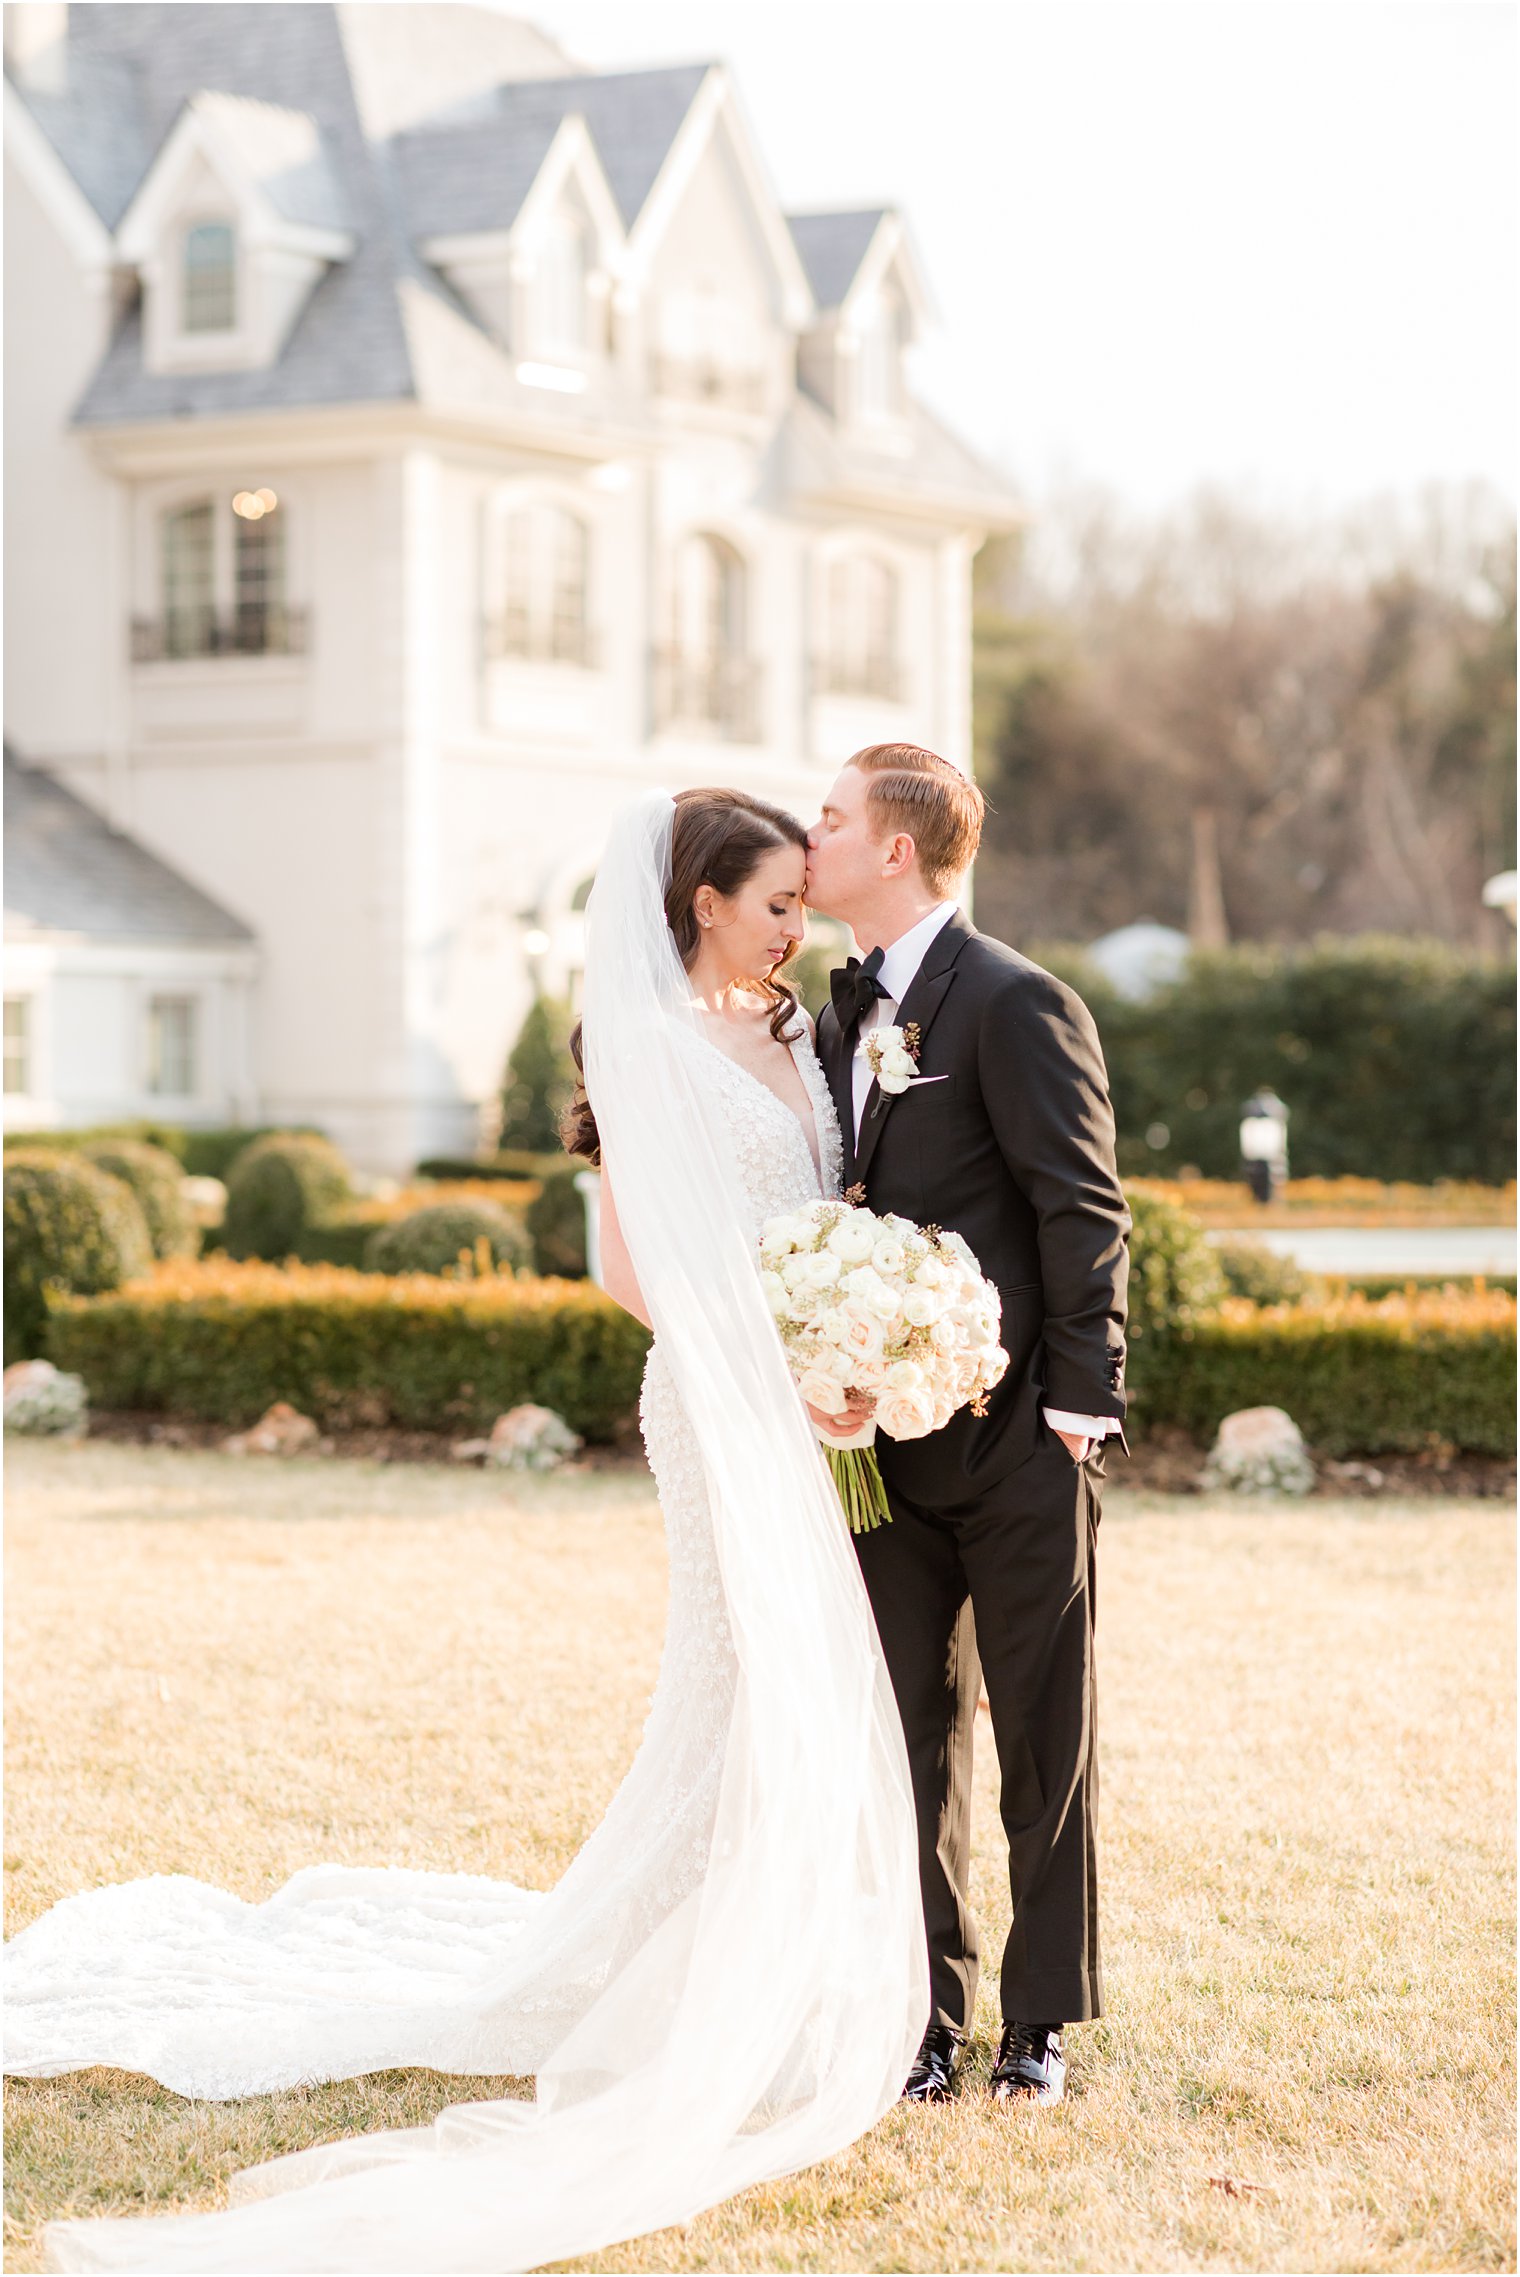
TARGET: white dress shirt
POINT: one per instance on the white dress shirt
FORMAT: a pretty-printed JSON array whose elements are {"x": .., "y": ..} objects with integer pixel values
[{"x": 899, "y": 966}]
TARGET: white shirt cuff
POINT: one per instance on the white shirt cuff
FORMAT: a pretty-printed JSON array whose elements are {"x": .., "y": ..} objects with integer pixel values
[{"x": 1081, "y": 1426}]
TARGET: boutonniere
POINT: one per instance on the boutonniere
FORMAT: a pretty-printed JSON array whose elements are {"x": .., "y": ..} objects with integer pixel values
[{"x": 892, "y": 1054}]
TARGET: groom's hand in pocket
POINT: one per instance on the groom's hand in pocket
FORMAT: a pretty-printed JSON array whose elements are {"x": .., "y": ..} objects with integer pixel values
[{"x": 1078, "y": 1449}]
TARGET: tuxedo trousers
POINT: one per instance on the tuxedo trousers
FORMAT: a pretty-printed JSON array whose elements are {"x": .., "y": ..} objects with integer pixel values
[{"x": 1000, "y": 1589}]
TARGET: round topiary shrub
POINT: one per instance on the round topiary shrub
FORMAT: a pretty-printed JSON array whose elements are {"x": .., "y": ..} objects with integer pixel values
[
  {"x": 556, "y": 1221},
  {"x": 68, "y": 1225},
  {"x": 1174, "y": 1274},
  {"x": 430, "y": 1240},
  {"x": 157, "y": 1180},
  {"x": 1258, "y": 1274},
  {"x": 278, "y": 1188}
]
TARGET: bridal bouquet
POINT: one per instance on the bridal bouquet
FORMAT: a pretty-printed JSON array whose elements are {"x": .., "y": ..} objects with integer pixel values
[{"x": 892, "y": 1311}]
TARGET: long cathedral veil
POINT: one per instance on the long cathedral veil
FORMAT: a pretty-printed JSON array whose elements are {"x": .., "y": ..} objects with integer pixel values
[{"x": 770, "y": 2015}]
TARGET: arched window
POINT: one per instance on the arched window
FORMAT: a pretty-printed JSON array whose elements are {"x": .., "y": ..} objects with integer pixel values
[
  {"x": 559, "y": 290},
  {"x": 210, "y": 277},
  {"x": 707, "y": 675},
  {"x": 223, "y": 590},
  {"x": 189, "y": 581},
  {"x": 544, "y": 563},
  {"x": 879, "y": 357},
  {"x": 861, "y": 610}
]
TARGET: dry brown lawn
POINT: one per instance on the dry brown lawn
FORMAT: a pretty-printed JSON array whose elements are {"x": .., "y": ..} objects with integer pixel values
[{"x": 232, "y": 1670}]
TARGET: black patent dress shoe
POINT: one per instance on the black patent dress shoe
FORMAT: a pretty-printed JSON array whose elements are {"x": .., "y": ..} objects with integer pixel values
[
  {"x": 933, "y": 2075},
  {"x": 1031, "y": 2065}
]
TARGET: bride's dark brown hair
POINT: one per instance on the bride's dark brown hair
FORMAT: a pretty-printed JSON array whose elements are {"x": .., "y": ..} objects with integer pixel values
[{"x": 719, "y": 839}]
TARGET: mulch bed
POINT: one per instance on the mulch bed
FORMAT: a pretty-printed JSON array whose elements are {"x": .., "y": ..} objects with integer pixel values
[{"x": 1166, "y": 1461}]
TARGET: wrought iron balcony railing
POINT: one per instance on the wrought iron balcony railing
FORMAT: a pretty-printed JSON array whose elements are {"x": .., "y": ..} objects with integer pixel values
[
  {"x": 880, "y": 676},
  {"x": 251, "y": 629},
  {"x": 718, "y": 693}
]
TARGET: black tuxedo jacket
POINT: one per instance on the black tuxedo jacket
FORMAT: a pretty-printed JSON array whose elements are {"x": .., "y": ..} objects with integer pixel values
[{"x": 1014, "y": 1151}]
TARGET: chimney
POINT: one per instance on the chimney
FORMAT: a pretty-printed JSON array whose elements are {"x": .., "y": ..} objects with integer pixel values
[{"x": 36, "y": 44}]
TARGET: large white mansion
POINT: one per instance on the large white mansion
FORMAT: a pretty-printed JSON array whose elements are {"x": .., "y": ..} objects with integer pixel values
[{"x": 414, "y": 445}]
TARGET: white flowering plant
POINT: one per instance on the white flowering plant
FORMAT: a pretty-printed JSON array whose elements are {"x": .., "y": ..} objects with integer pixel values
[
  {"x": 892, "y": 1056},
  {"x": 876, "y": 1308}
]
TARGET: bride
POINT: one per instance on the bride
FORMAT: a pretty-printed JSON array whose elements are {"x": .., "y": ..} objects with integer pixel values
[{"x": 730, "y": 1981}]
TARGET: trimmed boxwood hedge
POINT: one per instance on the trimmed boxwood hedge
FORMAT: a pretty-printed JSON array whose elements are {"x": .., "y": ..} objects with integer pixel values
[
  {"x": 157, "y": 1180},
  {"x": 1393, "y": 1376},
  {"x": 221, "y": 1341},
  {"x": 278, "y": 1189},
  {"x": 68, "y": 1225}
]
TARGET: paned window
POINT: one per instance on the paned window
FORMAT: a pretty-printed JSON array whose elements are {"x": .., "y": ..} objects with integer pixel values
[
  {"x": 189, "y": 580},
  {"x": 171, "y": 1046},
  {"x": 862, "y": 613},
  {"x": 544, "y": 577},
  {"x": 559, "y": 290},
  {"x": 879, "y": 359},
  {"x": 210, "y": 277},
  {"x": 259, "y": 582}
]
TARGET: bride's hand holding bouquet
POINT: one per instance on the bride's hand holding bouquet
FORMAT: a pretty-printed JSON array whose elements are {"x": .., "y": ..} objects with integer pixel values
[{"x": 882, "y": 1317}]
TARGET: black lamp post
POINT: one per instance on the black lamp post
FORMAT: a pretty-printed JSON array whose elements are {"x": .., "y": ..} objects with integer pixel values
[{"x": 1264, "y": 1143}]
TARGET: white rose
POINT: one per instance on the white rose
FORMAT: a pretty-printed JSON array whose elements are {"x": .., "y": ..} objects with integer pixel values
[
  {"x": 905, "y": 1414},
  {"x": 823, "y": 1270},
  {"x": 853, "y": 1239},
  {"x": 955, "y": 1245},
  {"x": 930, "y": 1274},
  {"x": 882, "y": 1299},
  {"x": 887, "y": 1257},
  {"x": 946, "y": 1335},
  {"x": 869, "y": 1375},
  {"x": 994, "y": 1366},
  {"x": 775, "y": 1292},
  {"x": 920, "y": 1307},
  {"x": 821, "y": 1391},
  {"x": 776, "y": 1236}
]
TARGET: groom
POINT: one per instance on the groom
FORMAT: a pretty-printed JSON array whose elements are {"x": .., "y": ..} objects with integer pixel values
[{"x": 986, "y": 1571}]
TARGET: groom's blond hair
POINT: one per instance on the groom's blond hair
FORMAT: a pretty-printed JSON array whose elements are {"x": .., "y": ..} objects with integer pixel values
[{"x": 941, "y": 810}]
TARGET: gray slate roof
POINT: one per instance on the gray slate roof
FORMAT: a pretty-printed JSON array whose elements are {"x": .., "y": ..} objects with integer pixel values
[
  {"x": 476, "y": 174},
  {"x": 832, "y": 246},
  {"x": 399, "y": 122},
  {"x": 283, "y": 152},
  {"x": 68, "y": 871},
  {"x": 409, "y": 119}
]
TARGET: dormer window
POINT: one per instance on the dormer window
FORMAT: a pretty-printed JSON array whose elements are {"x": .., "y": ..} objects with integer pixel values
[
  {"x": 558, "y": 319},
  {"x": 209, "y": 278},
  {"x": 879, "y": 356}
]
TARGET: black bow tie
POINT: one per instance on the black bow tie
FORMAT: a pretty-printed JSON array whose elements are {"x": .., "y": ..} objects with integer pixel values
[{"x": 853, "y": 991}]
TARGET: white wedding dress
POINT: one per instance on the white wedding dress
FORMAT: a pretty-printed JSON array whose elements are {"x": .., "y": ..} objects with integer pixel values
[{"x": 729, "y": 1981}]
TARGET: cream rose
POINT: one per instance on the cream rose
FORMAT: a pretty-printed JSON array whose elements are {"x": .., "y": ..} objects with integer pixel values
[
  {"x": 905, "y": 1414},
  {"x": 862, "y": 1337},
  {"x": 821, "y": 1391}
]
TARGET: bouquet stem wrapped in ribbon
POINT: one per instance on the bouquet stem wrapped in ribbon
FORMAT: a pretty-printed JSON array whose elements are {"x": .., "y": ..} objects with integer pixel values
[{"x": 877, "y": 1309}]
